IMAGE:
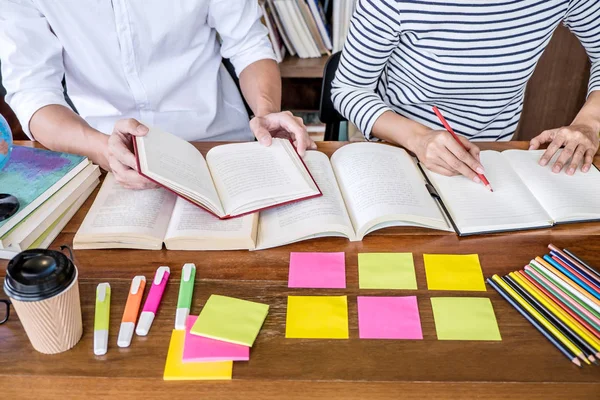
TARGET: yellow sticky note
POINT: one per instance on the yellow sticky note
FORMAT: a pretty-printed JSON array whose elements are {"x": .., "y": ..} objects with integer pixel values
[
  {"x": 317, "y": 317},
  {"x": 177, "y": 370},
  {"x": 453, "y": 272},
  {"x": 386, "y": 271}
]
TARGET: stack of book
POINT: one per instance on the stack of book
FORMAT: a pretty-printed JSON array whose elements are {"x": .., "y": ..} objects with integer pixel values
[
  {"x": 50, "y": 187},
  {"x": 303, "y": 27}
]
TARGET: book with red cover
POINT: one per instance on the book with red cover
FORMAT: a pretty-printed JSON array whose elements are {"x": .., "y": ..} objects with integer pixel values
[{"x": 234, "y": 180}]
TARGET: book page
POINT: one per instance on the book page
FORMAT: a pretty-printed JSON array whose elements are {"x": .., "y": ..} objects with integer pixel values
[
  {"x": 321, "y": 216},
  {"x": 193, "y": 225},
  {"x": 178, "y": 165},
  {"x": 477, "y": 210},
  {"x": 250, "y": 176},
  {"x": 124, "y": 212},
  {"x": 564, "y": 197},
  {"x": 382, "y": 184}
]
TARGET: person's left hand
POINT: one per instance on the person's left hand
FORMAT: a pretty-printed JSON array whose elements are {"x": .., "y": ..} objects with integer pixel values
[
  {"x": 3, "y": 147},
  {"x": 580, "y": 144},
  {"x": 282, "y": 125}
]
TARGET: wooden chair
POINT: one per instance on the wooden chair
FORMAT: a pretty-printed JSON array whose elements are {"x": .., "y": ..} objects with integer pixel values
[{"x": 327, "y": 113}]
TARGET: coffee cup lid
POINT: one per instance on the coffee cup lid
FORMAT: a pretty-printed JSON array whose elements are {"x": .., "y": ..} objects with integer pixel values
[{"x": 38, "y": 274}]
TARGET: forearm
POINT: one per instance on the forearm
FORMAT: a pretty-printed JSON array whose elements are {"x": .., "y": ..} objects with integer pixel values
[
  {"x": 589, "y": 115},
  {"x": 396, "y": 129},
  {"x": 60, "y": 129},
  {"x": 261, "y": 86}
]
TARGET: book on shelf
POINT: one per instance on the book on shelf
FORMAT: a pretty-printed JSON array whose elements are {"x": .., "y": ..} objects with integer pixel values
[
  {"x": 341, "y": 15},
  {"x": 234, "y": 179},
  {"x": 279, "y": 26},
  {"x": 276, "y": 38},
  {"x": 366, "y": 187},
  {"x": 303, "y": 24}
]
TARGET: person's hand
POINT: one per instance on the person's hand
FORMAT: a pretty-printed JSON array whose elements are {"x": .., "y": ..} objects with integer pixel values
[
  {"x": 282, "y": 125},
  {"x": 580, "y": 145},
  {"x": 3, "y": 147},
  {"x": 120, "y": 154},
  {"x": 440, "y": 153}
]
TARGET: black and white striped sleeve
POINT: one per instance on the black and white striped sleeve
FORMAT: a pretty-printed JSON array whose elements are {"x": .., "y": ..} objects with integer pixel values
[
  {"x": 583, "y": 19},
  {"x": 373, "y": 36}
]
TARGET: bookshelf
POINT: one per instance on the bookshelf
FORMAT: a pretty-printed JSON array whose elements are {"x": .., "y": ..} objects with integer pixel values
[{"x": 295, "y": 67}]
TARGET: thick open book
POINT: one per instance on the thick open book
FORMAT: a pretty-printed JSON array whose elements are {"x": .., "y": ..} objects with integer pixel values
[
  {"x": 366, "y": 187},
  {"x": 234, "y": 179}
]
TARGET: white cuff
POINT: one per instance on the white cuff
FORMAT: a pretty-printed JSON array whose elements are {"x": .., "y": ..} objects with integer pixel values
[
  {"x": 26, "y": 103},
  {"x": 262, "y": 52}
]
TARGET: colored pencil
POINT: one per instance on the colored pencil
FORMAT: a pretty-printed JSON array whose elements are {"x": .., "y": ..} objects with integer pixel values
[
  {"x": 449, "y": 129},
  {"x": 560, "y": 303},
  {"x": 576, "y": 266},
  {"x": 583, "y": 264},
  {"x": 573, "y": 259},
  {"x": 585, "y": 350},
  {"x": 545, "y": 269},
  {"x": 562, "y": 348},
  {"x": 572, "y": 277},
  {"x": 540, "y": 318},
  {"x": 593, "y": 344},
  {"x": 564, "y": 296},
  {"x": 576, "y": 271}
]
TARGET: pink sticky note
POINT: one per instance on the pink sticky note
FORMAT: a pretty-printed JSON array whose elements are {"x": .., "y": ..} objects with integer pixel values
[
  {"x": 317, "y": 270},
  {"x": 199, "y": 348},
  {"x": 389, "y": 318}
]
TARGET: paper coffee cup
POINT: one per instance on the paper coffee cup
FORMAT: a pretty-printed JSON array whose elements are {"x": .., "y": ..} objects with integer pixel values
[{"x": 44, "y": 290}]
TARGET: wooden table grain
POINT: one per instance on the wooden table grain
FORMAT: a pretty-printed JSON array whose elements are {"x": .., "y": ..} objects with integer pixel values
[{"x": 522, "y": 365}]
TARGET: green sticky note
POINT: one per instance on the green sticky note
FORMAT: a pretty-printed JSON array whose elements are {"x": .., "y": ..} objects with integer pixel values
[
  {"x": 464, "y": 318},
  {"x": 317, "y": 317},
  {"x": 230, "y": 320},
  {"x": 386, "y": 271},
  {"x": 453, "y": 272}
]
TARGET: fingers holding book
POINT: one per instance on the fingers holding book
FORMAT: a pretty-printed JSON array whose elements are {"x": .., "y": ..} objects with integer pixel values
[
  {"x": 121, "y": 159},
  {"x": 282, "y": 125}
]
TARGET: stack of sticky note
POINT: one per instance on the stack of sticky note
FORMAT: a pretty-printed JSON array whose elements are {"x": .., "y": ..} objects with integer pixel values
[{"x": 224, "y": 332}]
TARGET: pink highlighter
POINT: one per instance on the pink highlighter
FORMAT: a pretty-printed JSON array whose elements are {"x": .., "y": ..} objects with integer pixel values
[{"x": 153, "y": 301}]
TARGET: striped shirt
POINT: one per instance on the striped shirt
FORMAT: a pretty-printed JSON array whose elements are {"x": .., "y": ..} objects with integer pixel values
[{"x": 471, "y": 58}]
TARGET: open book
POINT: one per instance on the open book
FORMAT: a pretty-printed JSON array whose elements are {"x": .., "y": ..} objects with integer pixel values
[
  {"x": 366, "y": 187},
  {"x": 234, "y": 180},
  {"x": 526, "y": 195}
]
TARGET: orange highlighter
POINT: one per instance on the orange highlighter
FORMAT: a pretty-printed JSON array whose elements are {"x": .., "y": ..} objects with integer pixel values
[{"x": 132, "y": 308}]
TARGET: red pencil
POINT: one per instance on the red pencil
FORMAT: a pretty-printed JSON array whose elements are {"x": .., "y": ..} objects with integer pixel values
[{"x": 449, "y": 129}]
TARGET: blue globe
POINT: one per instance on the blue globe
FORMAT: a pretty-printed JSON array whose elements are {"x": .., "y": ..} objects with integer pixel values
[{"x": 6, "y": 143}]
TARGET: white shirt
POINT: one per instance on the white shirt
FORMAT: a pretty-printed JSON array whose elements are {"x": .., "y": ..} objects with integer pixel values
[{"x": 158, "y": 61}]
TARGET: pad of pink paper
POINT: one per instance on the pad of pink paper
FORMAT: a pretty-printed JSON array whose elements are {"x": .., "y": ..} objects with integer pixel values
[
  {"x": 317, "y": 270},
  {"x": 199, "y": 348},
  {"x": 389, "y": 318}
]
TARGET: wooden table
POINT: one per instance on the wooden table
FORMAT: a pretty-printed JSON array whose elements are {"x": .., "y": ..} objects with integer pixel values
[{"x": 523, "y": 364}]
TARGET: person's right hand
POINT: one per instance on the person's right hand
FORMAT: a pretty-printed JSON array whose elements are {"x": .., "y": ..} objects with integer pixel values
[
  {"x": 440, "y": 153},
  {"x": 120, "y": 155}
]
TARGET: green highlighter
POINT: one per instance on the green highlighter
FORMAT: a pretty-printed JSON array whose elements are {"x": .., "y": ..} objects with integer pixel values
[
  {"x": 186, "y": 289},
  {"x": 102, "y": 318}
]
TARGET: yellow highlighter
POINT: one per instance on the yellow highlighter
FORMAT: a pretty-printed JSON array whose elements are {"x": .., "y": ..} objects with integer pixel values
[
  {"x": 101, "y": 319},
  {"x": 541, "y": 319}
]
